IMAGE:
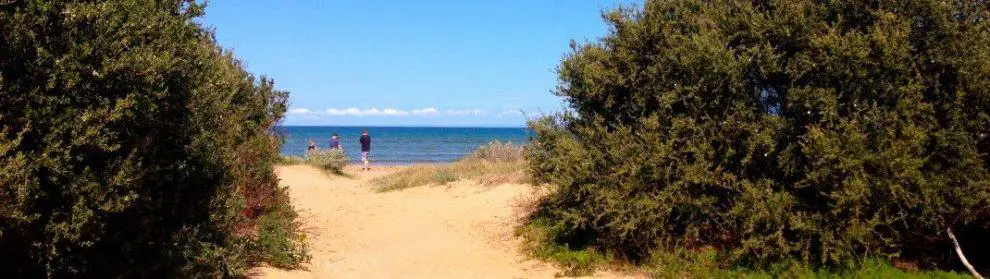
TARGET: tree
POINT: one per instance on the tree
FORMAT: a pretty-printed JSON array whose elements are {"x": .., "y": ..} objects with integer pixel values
[
  {"x": 131, "y": 145},
  {"x": 823, "y": 131}
]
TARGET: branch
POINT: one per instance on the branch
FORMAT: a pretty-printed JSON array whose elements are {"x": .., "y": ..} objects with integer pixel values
[{"x": 961, "y": 256}]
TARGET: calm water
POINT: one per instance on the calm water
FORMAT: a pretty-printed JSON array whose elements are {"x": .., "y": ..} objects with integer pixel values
[{"x": 402, "y": 145}]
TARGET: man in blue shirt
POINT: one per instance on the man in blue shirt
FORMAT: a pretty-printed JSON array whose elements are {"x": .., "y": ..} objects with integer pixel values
[{"x": 365, "y": 148}]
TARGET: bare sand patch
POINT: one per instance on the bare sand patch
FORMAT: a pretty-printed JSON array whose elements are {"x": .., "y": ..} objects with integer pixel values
[{"x": 459, "y": 230}]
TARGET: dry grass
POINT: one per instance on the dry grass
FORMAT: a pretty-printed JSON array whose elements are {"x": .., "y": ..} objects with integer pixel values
[{"x": 492, "y": 164}]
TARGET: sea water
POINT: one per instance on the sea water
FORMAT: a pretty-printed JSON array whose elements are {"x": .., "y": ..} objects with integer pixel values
[{"x": 401, "y": 145}]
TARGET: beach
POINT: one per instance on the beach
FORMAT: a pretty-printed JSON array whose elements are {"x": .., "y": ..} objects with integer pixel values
[{"x": 458, "y": 230}]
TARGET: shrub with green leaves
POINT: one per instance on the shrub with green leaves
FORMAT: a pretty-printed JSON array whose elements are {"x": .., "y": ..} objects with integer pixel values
[
  {"x": 131, "y": 144},
  {"x": 328, "y": 159},
  {"x": 822, "y": 131}
]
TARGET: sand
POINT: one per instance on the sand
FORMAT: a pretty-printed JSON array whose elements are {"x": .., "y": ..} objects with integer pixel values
[{"x": 460, "y": 230}]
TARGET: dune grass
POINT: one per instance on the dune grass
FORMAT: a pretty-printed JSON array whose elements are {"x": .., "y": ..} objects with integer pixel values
[
  {"x": 329, "y": 160},
  {"x": 289, "y": 160},
  {"x": 333, "y": 160},
  {"x": 491, "y": 164}
]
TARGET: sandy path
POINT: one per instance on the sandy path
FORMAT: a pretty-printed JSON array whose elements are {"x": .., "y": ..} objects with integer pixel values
[{"x": 456, "y": 231}]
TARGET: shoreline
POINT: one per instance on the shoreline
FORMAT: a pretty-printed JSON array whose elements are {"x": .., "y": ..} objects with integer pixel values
[{"x": 381, "y": 163}]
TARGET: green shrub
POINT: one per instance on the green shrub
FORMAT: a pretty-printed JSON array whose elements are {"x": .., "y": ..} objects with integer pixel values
[
  {"x": 280, "y": 242},
  {"x": 816, "y": 131},
  {"x": 131, "y": 145},
  {"x": 328, "y": 159}
]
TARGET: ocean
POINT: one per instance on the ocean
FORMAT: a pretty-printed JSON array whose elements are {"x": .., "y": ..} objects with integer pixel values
[{"x": 401, "y": 145}]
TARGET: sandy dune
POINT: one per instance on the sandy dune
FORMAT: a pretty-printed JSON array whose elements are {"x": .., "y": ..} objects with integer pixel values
[{"x": 456, "y": 231}]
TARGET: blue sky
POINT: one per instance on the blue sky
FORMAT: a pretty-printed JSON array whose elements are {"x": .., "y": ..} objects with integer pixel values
[{"x": 408, "y": 63}]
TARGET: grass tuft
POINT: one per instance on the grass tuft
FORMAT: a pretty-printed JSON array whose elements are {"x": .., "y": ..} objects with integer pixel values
[
  {"x": 289, "y": 160},
  {"x": 328, "y": 159}
]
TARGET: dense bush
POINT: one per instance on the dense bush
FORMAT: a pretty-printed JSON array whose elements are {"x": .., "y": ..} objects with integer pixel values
[
  {"x": 131, "y": 145},
  {"x": 328, "y": 159},
  {"x": 822, "y": 131}
]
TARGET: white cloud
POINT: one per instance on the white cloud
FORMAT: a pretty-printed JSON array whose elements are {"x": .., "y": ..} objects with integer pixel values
[
  {"x": 517, "y": 112},
  {"x": 425, "y": 111},
  {"x": 300, "y": 111},
  {"x": 512, "y": 112},
  {"x": 464, "y": 112},
  {"x": 381, "y": 112},
  {"x": 342, "y": 111},
  {"x": 394, "y": 112}
]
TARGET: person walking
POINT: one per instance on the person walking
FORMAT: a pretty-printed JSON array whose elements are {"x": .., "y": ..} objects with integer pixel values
[{"x": 365, "y": 148}]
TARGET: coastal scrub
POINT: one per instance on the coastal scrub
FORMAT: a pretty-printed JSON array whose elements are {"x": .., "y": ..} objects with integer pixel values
[
  {"x": 133, "y": 146},
  {"x": 817, "y": 132}
]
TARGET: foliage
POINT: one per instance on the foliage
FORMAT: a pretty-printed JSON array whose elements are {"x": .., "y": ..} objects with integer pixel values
[
  {"x": 491, "y": 164},
  {"x": 539, "y": 241},
  {"x": 328, "y": 159},
  {"x": 131, "y": 145},
  {"x": 280, "y": 238},
  {"x": 817, "y": 131},
  {"x": 703, "y": 264}
]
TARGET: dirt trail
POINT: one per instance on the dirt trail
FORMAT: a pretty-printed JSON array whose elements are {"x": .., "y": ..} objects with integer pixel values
[{"x": 456, "y": 231}]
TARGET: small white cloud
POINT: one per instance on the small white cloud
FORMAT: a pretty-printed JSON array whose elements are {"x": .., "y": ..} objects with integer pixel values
[
  {"x": 464, "y": 112},
  {"x": 380, "y": 112},
  {"x": 300, "y": 111},
  {"x": 394, "y": 112},
  {"x": 372, "y": 112},
  {"x": 425, "y": 111},
  {"x": 336, "y": 112},
  {"x": 518, "y": 112}
]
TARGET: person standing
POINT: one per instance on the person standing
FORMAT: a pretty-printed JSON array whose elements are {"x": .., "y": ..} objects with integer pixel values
[
  {"x": 335, "y": 141},
  {"x": 311, "y": 147},
  {"x": 365, "y": 148}
]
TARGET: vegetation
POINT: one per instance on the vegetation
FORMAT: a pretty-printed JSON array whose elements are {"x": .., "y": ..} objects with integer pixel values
[
  {"x": 540, "y": 242},
  {"x": 491, "y": 164},
  {"x": 279, "y": 235},
  {"x": 814, "y": 132},
  {"x": 289, "y": 160},
  {"x": 328, "y": 159},
  {"x": 131, "y": 145}
]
